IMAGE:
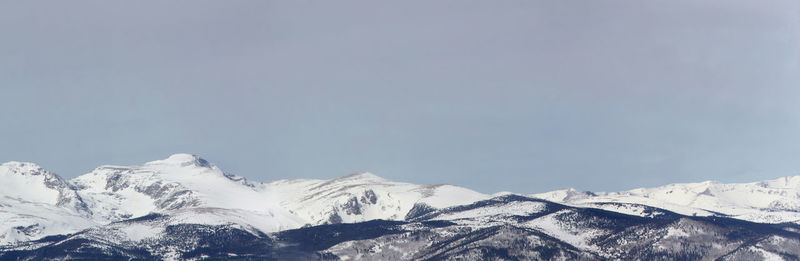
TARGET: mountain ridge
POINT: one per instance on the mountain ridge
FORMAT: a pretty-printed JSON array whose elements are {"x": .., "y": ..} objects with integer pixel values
[
  {"x": 190, "y": 185},
  {"x": 772, "y": 201},
  {"x": 184, "y": 207}
]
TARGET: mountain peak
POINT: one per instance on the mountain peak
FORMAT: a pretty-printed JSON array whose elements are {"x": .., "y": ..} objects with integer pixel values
[
  {"x": 564, "y": 195},
  {"x": 22, "y": 167},
  {"x": 362, "y": 176},
  {"x": 183, "y": 160},
  {"x": 32, "y": 183}
]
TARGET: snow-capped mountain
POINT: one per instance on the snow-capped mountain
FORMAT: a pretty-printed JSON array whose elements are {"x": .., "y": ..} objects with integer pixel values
[
  {"x": 365, "y": 196},
  {"x": 514, "y": 227},
  {"x": 771, "y": 201},
  {"x": 181, "y": 183},
  {"x": 508, "y": 227},
  {"x": 192, "y": 190},
  {"x": 184, "y": 207},
  {"x": 29, "y": 182},
  {"x": 35, "y": 202}
]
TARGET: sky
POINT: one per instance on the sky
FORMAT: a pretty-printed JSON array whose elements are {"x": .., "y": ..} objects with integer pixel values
[{"x": 522, "y": 96}]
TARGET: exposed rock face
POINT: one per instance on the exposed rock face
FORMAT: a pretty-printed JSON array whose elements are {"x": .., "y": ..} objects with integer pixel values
[
  {"x": 369, "y": 197},
  {"x": 418, "y": 210},
  {"x": 352, "y": 207}
]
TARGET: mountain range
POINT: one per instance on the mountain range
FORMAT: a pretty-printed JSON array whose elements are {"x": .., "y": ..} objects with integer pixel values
[{"x": 185, "y": 208}]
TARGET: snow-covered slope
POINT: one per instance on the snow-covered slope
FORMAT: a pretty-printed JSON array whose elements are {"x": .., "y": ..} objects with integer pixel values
[
  {"x": 509, "y": 227},
  {"x": 37, "y": 203},
  {"x": 513, "y": 227},
  {"x": 365, "y": 196},
  {"x": 771, "y": 201},
  {"x": 183, "y": 207},
  {"x": 31, "y": 183},
  {"x": 185, "y": 181},
  {"x": 190, "y": 190},
  {"x": 181, "y": 182}
]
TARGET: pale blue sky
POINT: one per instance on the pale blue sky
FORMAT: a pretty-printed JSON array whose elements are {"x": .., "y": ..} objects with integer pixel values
[{"x": 523, "y": 96}]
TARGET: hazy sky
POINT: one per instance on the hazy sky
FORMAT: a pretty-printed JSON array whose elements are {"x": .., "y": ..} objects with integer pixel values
[{"x": 523, "y": 96}]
